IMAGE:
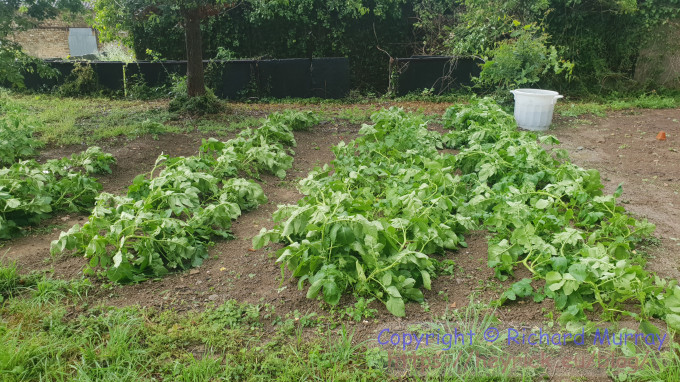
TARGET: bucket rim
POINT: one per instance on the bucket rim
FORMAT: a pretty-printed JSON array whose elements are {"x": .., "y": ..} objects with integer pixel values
[{"x": 534, "y": 92}]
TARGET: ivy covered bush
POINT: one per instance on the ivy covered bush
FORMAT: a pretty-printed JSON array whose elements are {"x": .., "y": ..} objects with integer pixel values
[
  {"x": 601, "y": 38},
  {"x": 522, "y": 61}
]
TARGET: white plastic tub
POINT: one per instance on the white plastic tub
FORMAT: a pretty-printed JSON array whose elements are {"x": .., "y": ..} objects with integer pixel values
[{"x": 534, "y": 108}]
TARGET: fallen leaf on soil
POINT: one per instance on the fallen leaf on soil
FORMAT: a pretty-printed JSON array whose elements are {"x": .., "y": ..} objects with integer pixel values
[
  {"x": 661, "y": 136},
  {"x": 193, "y": 272}
]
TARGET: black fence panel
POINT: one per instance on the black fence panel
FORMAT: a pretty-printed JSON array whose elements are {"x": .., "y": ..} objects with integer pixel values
[
  {"x": 329, "y": 78},
  {"x": 285, "y": 78},
  {"x": 109, "y": 74},
  {"x": 237, "y": 79},
  {"x": 34, "y": 82},
  {"x": 440, "y": 73},
  {"x": 155, "y": 74},
  {"x": 298, "y": 77}
]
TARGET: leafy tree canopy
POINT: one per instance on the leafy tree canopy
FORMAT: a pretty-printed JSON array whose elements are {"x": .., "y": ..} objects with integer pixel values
[{"x": 275, "y": 29}]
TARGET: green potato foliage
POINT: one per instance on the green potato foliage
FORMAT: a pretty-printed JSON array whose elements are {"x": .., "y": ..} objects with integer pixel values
[
  {"x": 170, "y": 215},
  {"x": 371, "y": 222},
  {"x": 552, "y": 218},
  {"x": 16, "y": 139},
  {"x": 31, "y": 192}
]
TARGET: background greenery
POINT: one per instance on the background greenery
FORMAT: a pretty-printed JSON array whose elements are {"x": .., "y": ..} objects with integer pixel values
[
  {"x": 570, "y": 45},
  {"x": 574, "y": 46}
]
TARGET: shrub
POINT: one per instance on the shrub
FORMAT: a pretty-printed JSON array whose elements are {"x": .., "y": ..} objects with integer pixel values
[
  {"x": 82, "y": 81},
  {"x": 524, "y": 59},
  {"x": 137, "y": 88}
]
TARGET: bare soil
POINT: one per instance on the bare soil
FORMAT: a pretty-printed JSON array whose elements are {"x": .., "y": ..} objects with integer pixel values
[{"x": 623, "y": 147}]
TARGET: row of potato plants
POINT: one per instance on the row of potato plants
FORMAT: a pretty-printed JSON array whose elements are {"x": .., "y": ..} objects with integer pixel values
[
  {"x": 169, "y": 216},
  {"x": 371, "y": 222},
  {"x": 30, "y": 191}
]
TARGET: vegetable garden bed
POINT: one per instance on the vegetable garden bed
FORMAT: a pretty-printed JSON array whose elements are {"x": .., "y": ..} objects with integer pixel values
[{"x": 479, "y": 174}]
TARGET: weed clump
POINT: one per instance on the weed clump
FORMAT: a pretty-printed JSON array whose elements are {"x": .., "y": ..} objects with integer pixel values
[
  {"x": 197, "y": 105},
  {"x": 82, "y": 81}
]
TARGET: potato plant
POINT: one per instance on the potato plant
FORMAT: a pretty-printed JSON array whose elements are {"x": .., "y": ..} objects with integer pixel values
[
  {"x": 552, "y": 218},
  {"x": 168, "y": 218},
  {"x": 31, "y": 192},
  {"x": 16, "y": 139},
  {"x": 371, "y": 223}
]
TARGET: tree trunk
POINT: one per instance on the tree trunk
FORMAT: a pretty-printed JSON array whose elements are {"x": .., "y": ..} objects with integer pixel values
[{"x": 194, "y": 43}]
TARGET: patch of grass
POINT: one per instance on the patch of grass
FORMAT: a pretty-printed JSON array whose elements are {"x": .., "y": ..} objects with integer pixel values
[
  {"x": 644, "y": 101},
  {"x": 9, "y": 278},
  {"x": 149, "y": 127},
  {"x": 355, "y": 114},
  {"x": 576, "y": 110},
  {"x": 600, "y": 107},
  {"x": 300, "y": 101},
  {"x": 460, "y": 358},
  {"x": 660, "y": 366},
  {"x": 40, "y": 341},
  {"x": 11, "y": 282},
  {"x": 223, "y": 124},
  {"x": 54, "y": 290},
  {"x": 63, "y": 121},
  {"x": 429, "y": 96}
]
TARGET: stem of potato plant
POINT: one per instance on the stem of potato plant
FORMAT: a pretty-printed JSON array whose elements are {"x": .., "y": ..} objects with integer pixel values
[
  {"x": 524, "y": 261},
  {"x": 386, "y": 268}
]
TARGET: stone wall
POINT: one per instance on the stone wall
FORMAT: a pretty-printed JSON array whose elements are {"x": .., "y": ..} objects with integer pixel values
[{"x": 49, "y": 39}]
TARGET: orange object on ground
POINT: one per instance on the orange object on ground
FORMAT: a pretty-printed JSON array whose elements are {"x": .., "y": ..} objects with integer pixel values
[{"x": 661, "y": 136}]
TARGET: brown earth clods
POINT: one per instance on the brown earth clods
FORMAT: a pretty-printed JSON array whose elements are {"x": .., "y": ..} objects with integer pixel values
[{"x": 623, "y": 147}]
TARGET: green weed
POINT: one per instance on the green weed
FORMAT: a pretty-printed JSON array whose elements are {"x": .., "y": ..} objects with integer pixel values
[
  {"x": 576, "y": 110},
  {"x": 600, "y": 107},
  {"x": 10, "y": 280},
  {"x": 645, "y": 101},
  {"x": 660, "y": 366},
  {"x": 355, "y": 115},
  {"x": 360, "y": 310}
]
